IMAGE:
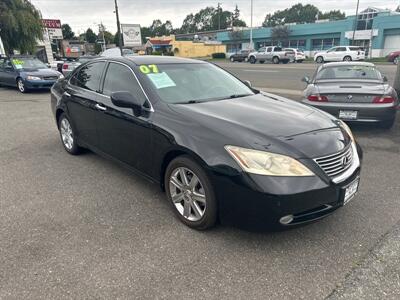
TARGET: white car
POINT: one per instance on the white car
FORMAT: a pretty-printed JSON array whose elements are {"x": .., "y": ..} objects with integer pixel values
[
  {"x": 299, "y": 55},
  {"x": 340, "y": 53}
]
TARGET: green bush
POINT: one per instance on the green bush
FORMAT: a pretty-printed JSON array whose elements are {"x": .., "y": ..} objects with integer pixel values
[{"x": 219, "y": 55}]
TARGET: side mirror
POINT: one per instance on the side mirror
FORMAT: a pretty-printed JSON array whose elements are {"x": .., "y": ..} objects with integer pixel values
[
  {"x": 127, "y": 100},
  {"x": 306, "y": 79},
  {"x": 248, "y": 83},
  {"x": 385, "y": 79}
]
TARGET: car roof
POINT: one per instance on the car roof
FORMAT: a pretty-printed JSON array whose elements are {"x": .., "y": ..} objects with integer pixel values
[
  {"x": 345, "y": 63},
  {"x": 158, "y": 60}
]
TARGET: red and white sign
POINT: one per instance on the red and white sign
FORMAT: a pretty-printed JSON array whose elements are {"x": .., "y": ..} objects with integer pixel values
[{"x": 54, "y": 28}]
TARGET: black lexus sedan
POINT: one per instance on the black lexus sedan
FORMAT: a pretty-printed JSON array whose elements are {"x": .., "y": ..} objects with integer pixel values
[{"x": 221, "y": 150}]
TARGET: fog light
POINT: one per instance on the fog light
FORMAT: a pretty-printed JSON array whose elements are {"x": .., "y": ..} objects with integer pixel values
[{"x": 286, "y": 219}]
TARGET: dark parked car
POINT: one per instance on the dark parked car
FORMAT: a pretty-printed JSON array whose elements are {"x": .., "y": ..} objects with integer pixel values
[
  {"x": 353, "y": 91},
  {"x": 221, "y": 150},
  {"x": 394, "y": 57},
  {"x": 27, "y": 73},
  {"x": 240, "y": 56}
]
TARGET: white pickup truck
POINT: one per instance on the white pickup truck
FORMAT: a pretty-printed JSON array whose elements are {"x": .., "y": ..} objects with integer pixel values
[{"x": 274, "y": 54}]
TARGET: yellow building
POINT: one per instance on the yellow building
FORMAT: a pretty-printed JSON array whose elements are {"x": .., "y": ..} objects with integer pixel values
[{"x": 187, "y": 48}]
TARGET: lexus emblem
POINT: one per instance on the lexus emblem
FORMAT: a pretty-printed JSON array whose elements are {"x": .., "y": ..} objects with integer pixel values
[{"x": 349, "y": 97}]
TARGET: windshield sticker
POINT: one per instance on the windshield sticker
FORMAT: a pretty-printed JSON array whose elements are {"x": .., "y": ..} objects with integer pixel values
[
  {"x": 18, "y": 63},
  {"x": 161, "y": 80},
  {"x": 148, "y": 69}
]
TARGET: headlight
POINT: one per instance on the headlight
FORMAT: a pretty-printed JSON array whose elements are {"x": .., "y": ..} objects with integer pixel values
[
  {"x": 348, "y": 131},
  {"x": 33, "y": 78},
  {"x": 266, "y": 163},
  {"x": 61, "y": 76}
]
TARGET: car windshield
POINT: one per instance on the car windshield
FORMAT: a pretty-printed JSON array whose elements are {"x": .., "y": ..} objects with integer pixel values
[
  {"x": 349, "y": 72},
  {"x": 28, "y": 64},
  {"x": 191, "y": 83}
]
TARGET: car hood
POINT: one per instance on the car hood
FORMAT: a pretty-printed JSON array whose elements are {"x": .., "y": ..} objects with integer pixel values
[
  {"x": 41, "y": 72},
  {"x": 268, "y": 122},
  {"x": 346, "y": 87}
]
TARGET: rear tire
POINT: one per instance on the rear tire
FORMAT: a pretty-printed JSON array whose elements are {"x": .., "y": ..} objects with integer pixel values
[
  {"x": 232, "y": 59},
  {"x": 387, "y": 124},
  {"x": 320, "y": 60},
  {"x": 185, "y": 181},
  {"x": 276, "y": 60},
  {"x": 285, "y": 62},
  {"x": 67, "y": 135},
  {"x": 396, "y": 60},
  {"x": 299, "y": 61},
  {"x": 347, "y": 58}
]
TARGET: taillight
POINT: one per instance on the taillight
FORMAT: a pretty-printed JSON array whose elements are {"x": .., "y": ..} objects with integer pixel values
[
  {"x": 383, "y": 99},
  {"x": 318, "y": 98},
  {"x": 65, "y": 66}
]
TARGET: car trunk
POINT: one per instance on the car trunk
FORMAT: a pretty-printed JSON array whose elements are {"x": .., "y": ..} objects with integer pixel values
[{"x": 351, "y": 92}]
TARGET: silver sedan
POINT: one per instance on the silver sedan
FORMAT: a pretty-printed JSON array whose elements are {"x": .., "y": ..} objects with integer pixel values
[{"x": 352, "y": 91}]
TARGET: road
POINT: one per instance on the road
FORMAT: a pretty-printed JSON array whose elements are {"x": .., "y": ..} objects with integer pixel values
[
  {"x": 284, "y": 79},
  {"x": 82, "y": 227}
]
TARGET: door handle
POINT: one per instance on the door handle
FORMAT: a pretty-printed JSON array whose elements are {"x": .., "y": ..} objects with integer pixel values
[
  {"x": 100, "y": 107},
  {"x": 67, "y": 94}
]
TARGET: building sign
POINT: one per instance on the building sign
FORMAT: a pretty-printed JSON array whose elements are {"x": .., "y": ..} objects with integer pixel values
[
  {"x": 53, "y": 28},
  {"x": 131, "y": 34},
  {"x": 361, "y": 34}
]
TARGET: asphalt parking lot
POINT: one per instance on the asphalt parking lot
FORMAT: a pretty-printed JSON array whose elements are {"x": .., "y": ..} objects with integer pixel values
[{"x": 83, "y": 227}]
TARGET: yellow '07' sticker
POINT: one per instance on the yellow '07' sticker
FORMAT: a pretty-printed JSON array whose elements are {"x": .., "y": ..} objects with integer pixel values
[{"x": 148, "y": 69}]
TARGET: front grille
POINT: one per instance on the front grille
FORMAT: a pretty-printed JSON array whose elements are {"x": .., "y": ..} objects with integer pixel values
[
  {"x": 335, "y": 164},
  {"x": 50, "y": 78}
]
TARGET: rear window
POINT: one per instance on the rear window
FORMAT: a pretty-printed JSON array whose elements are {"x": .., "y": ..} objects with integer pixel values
[
  {"x": 349, "y": 72},
  {"x": 277, "y": 49}
]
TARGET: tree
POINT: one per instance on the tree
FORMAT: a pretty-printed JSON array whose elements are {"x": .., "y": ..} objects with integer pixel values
[
  {"x": 332, "y": 15},
  {"x": 20, "y": 25},
  {"x": 90, "y": 36},
  {"x": 280, "y": 33},
  {"x": 109, "y": 37},
  {"x": 67, "y": 32},
  {"x": 211, "y": 18},
  {"x": 298, "y": 13}
]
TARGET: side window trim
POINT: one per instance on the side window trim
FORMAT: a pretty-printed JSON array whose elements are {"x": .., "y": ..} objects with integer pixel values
[{"x": 151, "y": 109}]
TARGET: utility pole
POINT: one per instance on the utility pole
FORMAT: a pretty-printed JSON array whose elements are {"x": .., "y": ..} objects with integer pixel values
[
  {"x": 355, "y": 23},
  {"x": 118, "y": 26},
  {"x": 219, "y": 16},
  {"x": 251, "y": 26}
]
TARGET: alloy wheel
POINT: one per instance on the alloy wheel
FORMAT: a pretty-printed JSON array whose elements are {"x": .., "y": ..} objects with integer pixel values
[
  {"x": 320, "y": 60},
  {"x": 67, "y": 134},
  {"x": 187, "y": 194},
  {"x": 396, "y": 60},
  {"x": 21, "y": 86},
  {"x": 347, "y": 58}
]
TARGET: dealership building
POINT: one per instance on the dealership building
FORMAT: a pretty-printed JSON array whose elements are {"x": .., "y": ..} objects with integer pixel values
[{"x": 377, "y": 31}]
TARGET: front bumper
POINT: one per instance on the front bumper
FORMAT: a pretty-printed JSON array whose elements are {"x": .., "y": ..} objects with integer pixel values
[
  {"x": 367, "y": 112},
  {"x": 39, "y": 84},
  {"x": 260, "y": 202}
]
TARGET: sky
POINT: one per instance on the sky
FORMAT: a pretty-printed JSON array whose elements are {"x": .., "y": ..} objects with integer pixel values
[{"x": 82, "y": 14}]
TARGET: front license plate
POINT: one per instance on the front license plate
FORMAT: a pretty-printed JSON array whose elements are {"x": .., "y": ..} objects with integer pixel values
[
  {"x": 348, "y": 114},
  {"x": 351, "y": 191}
]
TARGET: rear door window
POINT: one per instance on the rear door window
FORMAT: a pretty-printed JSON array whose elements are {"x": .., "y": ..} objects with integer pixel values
[{"x": 88, "y": 77}]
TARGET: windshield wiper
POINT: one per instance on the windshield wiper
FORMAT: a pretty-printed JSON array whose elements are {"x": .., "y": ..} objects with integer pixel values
[{"x": 238, "y": 96}]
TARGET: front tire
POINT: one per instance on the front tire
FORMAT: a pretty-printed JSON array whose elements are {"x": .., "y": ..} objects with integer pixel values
[
  {"x": 21, "y": 86},
  {"x": 320, "y": 60},
  {"x": 252, "y": 60},
  {"x": 396, "y": 60},
  {"x": 276, "y": 60},
  {"x": 232, "y": 59},
  {"x": 67, "y": 135},
  {"x": 190, "y": 193}
]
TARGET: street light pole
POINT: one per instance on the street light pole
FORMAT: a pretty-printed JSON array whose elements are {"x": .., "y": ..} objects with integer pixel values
[
  {"x": 118, "y": 26},
  {"x": 251, "y": 26},
  {"x": 355, "y": 23},
  {"x": 219, "y": 15}
]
